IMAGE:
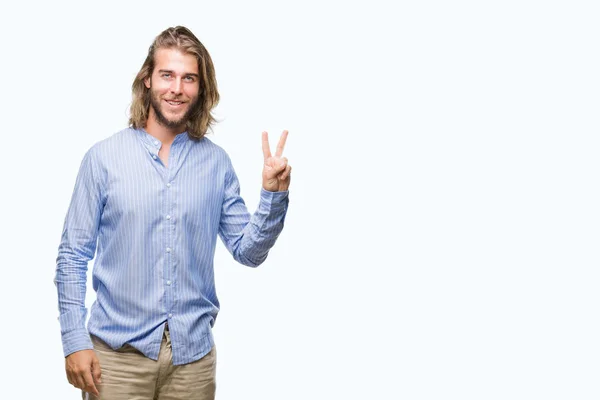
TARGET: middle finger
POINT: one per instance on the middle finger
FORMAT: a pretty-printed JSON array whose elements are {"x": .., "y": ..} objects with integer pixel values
[{"x": 281, "y": 144}]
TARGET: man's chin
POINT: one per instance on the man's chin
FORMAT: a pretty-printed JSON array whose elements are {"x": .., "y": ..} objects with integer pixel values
[
  {"x": 172, "y": 123},
  {"x": 162, "y": 117}
]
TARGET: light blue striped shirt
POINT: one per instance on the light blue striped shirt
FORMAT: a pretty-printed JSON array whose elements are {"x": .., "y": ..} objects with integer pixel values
[{"x": 155, "y": 230}]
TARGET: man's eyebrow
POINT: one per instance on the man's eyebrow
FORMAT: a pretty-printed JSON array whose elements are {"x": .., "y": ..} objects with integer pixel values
[{"x": 185, "y": 74}]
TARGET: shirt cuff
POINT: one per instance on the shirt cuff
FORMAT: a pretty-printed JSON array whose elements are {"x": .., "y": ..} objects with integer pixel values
[
  {"x": 75, "y": 341},
  {"x": 273, "y": 201}
]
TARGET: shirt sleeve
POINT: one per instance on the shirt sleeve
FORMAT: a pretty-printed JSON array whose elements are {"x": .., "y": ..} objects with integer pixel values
[
  {"x": 249, "y": 238},
  {"x": 77, "y": 247}
]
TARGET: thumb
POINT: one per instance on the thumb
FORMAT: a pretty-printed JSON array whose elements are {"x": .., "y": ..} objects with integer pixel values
[
  {"x": 96, "y": 370},
  {"x": 282, "y": 165}
]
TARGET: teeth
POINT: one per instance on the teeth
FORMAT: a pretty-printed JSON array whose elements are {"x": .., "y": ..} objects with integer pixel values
[{"x": 176, "y": 103}]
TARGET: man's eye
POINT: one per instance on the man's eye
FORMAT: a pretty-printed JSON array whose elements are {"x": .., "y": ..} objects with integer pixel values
[
  {"x": 166, "y": 75},
  {"x": 190, "y": 78}
]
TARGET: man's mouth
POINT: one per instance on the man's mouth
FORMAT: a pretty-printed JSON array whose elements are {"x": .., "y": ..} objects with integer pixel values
[{"x": 174, "y": 103}]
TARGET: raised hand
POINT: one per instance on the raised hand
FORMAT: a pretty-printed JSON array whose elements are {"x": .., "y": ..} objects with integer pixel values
[{"x": 276, "y": 171}]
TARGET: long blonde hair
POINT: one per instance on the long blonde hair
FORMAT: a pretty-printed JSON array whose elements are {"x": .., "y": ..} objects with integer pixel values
[{"x": 201, "y": 119}]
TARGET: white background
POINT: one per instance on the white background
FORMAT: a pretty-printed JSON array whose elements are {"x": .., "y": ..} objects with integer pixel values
[{"x": 442, "y": 236}]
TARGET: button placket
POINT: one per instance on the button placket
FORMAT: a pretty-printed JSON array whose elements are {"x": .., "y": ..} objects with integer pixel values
[{"x": 169, "y": 270}]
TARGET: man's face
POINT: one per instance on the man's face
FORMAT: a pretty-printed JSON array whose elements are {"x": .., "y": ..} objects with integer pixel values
[{"x": 174, "y": 87}]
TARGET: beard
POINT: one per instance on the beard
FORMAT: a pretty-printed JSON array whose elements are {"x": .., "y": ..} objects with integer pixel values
[{"x": 156, "y": 103}]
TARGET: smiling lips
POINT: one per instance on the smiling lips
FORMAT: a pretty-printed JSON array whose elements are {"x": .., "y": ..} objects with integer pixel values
[{"x": 173, "y": 103}]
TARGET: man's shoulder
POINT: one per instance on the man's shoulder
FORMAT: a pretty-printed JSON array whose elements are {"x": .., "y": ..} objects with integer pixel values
[
  {"x": 115, "y": 141},
  {"x": 127, "y": 134},
  {"x": 214, "y": 149}
]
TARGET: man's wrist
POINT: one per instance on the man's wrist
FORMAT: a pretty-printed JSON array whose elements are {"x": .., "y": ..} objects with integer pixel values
[{"x": 75, "y": 341}]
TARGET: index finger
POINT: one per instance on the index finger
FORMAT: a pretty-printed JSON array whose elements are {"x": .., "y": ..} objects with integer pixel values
[
  {"x": 281, "y": 144},
  {"x": 89, "y": 382},
  {"x": 265, "y": 145}
]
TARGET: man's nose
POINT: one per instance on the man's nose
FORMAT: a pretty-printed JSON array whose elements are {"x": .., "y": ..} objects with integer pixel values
[{"x": 176, "y": 86}]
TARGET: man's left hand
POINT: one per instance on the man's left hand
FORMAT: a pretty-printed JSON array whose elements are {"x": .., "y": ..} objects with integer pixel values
[{"x": 276, "y": 170}]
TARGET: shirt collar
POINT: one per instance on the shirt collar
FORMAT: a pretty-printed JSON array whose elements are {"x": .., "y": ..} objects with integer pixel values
[{"x": 155, "y": 143}]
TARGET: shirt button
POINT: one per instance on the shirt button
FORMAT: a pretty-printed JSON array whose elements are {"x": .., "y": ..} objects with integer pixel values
[
  {"x": 169, "y": 283},
  {"x": 154, "y": 156},
  {"x": 168, "y": 249},
  {"x": 168, "y": 217},
  {"x": 168, "y": 185},
  {"x": 156, "y": 142},
  {"x": 170, "y": 315}
]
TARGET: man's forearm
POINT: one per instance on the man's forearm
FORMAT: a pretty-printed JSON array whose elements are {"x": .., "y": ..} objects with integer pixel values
[{"x": 70, "y": 281}]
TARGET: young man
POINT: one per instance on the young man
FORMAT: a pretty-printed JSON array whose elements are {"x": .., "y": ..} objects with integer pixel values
[{"x": 155, "y": 197}]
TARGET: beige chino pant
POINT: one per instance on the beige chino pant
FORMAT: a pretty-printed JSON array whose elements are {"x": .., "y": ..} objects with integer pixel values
[{"x": 129, "y": 375}]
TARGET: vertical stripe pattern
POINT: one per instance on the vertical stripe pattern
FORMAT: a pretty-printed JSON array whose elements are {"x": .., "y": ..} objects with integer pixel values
[{"x": 153, "y": 229}]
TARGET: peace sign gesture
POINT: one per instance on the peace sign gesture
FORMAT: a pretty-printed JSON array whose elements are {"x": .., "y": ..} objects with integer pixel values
[{"x": 276, "y": 171}]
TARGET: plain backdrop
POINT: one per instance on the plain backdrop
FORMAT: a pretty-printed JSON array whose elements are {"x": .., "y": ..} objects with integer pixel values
[{"x": 443, "y": 228}]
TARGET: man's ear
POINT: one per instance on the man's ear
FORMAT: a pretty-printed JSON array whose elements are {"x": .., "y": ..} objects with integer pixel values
[{"x": 147, "y": 82}]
